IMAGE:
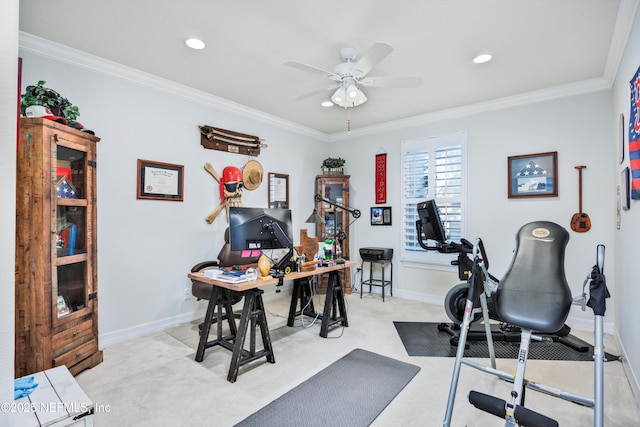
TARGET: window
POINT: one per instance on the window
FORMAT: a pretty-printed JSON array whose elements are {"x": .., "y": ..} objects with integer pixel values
[{"x": 433, "y": 168}]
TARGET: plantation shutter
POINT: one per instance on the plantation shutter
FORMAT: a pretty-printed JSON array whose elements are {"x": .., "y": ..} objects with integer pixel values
[{"x": 432, "y": 168}]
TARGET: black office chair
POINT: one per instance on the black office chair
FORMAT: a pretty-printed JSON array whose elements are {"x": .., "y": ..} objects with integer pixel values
[
  {"x": 226, "y": 258},
  {"x": 534, "y": 296}
]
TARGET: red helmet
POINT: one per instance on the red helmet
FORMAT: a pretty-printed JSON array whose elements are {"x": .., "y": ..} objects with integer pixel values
[{"x": 231, "y": 178}]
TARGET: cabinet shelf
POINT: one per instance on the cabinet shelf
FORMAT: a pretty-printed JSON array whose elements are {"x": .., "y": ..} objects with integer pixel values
[
  {"x": 71, "y": 259},
  {"x": 71, "y": 202}
]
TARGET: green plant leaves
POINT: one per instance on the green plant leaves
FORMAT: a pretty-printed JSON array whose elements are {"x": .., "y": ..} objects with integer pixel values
[{"x": 38, "y": 94}]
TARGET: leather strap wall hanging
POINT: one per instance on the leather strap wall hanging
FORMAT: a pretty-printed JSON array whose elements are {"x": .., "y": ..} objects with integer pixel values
[{"x": 232, "y": 142}]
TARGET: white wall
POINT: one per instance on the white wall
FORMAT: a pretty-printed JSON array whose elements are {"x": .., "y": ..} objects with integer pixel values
[
  {"x": 8, "y": 93},
  {"x": 146, "y": 248},
  {"x": 627, "y": 292}
]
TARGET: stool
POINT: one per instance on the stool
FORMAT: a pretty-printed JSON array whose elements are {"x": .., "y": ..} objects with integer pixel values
[{"x": 376, "y": 282}]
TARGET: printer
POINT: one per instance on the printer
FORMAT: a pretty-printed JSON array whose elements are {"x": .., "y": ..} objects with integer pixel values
[{"x": 376, "y": 254}]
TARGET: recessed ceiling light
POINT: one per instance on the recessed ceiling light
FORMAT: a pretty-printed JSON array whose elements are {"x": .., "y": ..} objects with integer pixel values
[
  {"x": 480, "y": 59},
  {"x": 195, "y": 43},
  {"x": 327, "y": 104}
]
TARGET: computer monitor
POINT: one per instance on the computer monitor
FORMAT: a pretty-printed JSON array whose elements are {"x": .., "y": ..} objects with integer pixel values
[
  {"x": 253, "y": 228},
  {"x": 431, "y": 224}
]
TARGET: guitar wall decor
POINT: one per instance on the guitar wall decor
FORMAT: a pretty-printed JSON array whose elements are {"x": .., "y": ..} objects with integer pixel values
[{"x": 580, "y": 222}]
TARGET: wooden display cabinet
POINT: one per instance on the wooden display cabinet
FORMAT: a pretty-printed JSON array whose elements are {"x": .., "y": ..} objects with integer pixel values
[
  {"x": 56, "y": 283},
  {"x": 334, "y": 188}
]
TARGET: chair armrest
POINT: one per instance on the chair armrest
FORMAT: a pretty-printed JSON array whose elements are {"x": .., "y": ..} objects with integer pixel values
[{"x": 204, "y": 264}]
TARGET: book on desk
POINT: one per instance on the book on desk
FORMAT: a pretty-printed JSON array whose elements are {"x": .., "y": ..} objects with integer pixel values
[{"x": 227, "y": 276}]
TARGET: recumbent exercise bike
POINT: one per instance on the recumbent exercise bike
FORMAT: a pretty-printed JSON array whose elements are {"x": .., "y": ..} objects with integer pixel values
[{"x": 429, "y": 227}]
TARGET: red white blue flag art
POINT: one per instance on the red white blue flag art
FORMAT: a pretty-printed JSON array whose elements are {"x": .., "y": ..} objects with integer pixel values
[{"x": 634, "y": 136}]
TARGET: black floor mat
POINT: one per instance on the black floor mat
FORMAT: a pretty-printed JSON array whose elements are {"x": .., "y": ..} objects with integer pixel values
[{"x": 424, "y": 339}]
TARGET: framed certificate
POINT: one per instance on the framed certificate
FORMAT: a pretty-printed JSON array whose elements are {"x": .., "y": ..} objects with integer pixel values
[
  {"x": 278, "y": 190},
  {"x": 160, "y": 181}
]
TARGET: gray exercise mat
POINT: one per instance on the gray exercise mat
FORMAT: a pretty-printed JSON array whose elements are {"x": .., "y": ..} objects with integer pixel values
[{"x": 352, "y": 392}]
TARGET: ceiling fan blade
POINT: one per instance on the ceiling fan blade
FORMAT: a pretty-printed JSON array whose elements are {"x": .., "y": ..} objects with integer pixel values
[
  {"x": 400, "y": 82},
  {"x": 371, "y": 58},
  {"x": 312, "y": 69},
  {"x": 314, "y": 92}
]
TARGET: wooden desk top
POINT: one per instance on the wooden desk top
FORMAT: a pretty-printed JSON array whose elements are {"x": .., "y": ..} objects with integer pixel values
[{"x": 243, "y": 286}]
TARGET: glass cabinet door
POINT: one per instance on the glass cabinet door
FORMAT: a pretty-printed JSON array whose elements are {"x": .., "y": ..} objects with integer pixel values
[
  {"x": 333, "y": 218},
  {"x": 71, "y": 278},
  {"x": 335, "y": 225}
]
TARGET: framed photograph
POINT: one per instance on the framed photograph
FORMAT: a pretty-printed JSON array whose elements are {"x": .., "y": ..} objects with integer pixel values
[
  {"x": 381, "y": 215},
  {"x": 625, "y": 194},
  {"x": 278, "y": 190},
  {"x": 160, "y": 181},
  {"x": 533, "y": 175}
]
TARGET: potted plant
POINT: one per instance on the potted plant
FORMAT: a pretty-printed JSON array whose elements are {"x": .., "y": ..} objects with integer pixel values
[
  {"x": 333, "y": 165},
  {"x": 38, "y": 94}
]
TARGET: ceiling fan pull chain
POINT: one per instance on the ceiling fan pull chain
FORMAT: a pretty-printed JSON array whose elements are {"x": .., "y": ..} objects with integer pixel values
[{"x": 349, "y": 121}]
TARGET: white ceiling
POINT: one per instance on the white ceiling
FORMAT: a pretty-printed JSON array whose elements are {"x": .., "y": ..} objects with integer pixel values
[{"x": 536, "y": 44}]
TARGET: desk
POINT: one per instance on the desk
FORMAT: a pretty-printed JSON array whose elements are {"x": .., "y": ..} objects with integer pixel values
[{"x": 334, "y": 312}]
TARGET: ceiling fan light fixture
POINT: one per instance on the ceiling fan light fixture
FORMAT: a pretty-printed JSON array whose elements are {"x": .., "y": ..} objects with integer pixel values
[
  {"x": 361, "y": 99},
  {"x": 195, "y": 44},
  {"x": 348, "y": 96},
  {"x": 339, "y": 96},
  {"x": 353, "y": 91}
]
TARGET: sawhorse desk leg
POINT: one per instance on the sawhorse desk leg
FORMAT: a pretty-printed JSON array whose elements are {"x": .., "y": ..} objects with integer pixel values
[
  {"x": 220, "y": 298},
  {"x": 252, "y": 312},
  {"x": 301, "y": 293},
  {"x": 335, "y": 295}
]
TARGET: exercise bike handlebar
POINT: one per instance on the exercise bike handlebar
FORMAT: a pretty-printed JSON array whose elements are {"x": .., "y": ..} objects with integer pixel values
[{"x": 464, "y": 247}]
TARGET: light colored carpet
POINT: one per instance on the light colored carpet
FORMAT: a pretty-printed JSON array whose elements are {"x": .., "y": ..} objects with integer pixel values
[{"x": 154, "y": 380}]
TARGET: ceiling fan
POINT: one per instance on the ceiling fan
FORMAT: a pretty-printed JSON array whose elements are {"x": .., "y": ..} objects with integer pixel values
[{"x": 349, "y": 75}]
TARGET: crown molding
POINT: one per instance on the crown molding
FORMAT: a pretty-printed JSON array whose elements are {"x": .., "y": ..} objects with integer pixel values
[
  {"x": 621, "y": 31},
  {"x": 61, "y": 53}
]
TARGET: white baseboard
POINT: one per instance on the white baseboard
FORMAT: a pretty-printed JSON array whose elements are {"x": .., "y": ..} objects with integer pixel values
[
  {"x": 415, "y": 296},
  {"x": 631, "y": 376},
  {"x": 110, "y": 338}
]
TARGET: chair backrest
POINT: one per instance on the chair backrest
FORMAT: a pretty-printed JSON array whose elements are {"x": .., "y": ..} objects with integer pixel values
[
  {"x": 226, "y": 258},
  {"x": 534, "y": 294},
  {"x": 229, "y": 258}
]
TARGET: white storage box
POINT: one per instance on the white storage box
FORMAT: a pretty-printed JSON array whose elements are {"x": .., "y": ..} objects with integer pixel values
[{"x": 58, "y": 401}]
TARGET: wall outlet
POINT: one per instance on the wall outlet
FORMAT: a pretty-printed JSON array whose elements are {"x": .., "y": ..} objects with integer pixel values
[{"x": 187, "y": 294}]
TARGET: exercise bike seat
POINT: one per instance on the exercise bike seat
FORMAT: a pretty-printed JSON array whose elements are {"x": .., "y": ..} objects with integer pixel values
[{"x": 534, "y": 294}]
